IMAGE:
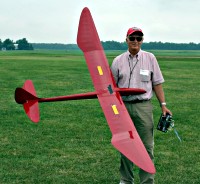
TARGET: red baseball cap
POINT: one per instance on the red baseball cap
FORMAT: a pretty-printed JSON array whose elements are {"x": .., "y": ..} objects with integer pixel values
[{"x": 134, "y": 30}]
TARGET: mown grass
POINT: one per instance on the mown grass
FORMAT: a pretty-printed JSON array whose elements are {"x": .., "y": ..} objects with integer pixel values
[{"x": 71, "y": 143}]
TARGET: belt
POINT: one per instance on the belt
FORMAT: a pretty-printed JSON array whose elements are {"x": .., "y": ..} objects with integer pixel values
[{"x": 136, "y": 101}]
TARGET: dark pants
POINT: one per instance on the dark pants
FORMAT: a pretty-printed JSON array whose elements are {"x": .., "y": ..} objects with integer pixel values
[{"x": 142, "y": 116}]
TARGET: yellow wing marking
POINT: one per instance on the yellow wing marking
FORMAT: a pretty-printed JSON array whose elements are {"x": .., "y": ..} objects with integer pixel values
[
  {"x": 100, "y": 70},
  {"x": 114, "y": 108}
]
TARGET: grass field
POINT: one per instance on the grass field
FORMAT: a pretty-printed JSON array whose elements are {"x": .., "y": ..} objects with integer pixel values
[{"x": 71, "y": 143}]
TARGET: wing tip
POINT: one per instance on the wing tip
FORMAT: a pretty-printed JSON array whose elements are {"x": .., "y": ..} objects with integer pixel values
[
  {"x": 87, "y": 37},
  {"x": 130, "y": 145}
]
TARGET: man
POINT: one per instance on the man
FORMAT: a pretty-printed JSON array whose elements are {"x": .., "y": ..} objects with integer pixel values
[{"x": 139, "y": 69}]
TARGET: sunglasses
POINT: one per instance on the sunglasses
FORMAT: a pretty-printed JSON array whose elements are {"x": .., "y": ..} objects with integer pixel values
[{"x": 138, "y": 38}]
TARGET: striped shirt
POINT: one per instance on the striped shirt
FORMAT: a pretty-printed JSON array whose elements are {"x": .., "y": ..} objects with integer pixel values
[{"x": 139, "y": 71}]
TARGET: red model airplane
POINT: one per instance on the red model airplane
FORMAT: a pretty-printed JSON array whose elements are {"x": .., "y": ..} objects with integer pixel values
[{"x": 124, "y": 135}]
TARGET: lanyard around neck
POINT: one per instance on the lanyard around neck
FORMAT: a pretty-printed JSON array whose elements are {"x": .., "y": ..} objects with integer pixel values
[{"x": 131, "y": 70}]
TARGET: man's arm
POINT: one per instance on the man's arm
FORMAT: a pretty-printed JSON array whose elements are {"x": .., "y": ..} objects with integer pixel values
[
  {"x": 158, "y": 89},
  {"x": 114, "y": 71}
]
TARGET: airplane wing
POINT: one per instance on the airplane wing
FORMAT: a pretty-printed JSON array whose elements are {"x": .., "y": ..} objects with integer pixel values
[
  {"x": 124, "y": 135},
  {"x": 89, "y": 43}
]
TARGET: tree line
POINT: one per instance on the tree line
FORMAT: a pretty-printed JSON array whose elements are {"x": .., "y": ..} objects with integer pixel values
[
  {"x": 21, "y": 44},
  {"x": 114, "y": 45}
]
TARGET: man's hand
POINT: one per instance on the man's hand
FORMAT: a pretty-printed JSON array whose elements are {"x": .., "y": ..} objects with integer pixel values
[{"x": 165, "y": 110}]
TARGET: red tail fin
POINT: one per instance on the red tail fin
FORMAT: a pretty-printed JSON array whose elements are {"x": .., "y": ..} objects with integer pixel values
[
  {"x": 22, "y": 96},
  {"x": 27, "y": 96}
]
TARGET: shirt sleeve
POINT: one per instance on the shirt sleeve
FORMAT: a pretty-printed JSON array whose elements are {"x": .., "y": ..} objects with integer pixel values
[
  {"x": 157, "y": 77},
  {"x": 115, "y": 70}
]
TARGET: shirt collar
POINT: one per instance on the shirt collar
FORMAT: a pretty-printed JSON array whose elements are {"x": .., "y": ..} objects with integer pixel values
[{"x": 138, "y": 55}]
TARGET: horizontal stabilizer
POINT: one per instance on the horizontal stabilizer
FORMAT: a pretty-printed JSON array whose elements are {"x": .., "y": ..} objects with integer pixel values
[{"x": 27, "y": 96}]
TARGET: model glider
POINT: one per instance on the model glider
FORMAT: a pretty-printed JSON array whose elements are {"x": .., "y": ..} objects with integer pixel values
[{"x": 124, "y": 135}]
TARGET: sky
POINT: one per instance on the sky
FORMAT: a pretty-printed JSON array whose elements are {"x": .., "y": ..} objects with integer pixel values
[{"x": 56, "y": 21}]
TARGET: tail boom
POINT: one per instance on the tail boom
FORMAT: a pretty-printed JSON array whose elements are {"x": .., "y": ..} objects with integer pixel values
[{"x": 23, "y": 95}]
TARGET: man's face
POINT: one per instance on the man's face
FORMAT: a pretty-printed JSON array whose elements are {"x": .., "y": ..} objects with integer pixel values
[{"x": 134, "y": 42}]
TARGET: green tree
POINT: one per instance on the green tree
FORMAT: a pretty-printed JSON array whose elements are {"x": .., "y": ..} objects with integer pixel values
[
  {"x": 8, "y": 44},
  {"x": 24, "y": 45},
  {"x": 1, "y": 45}
]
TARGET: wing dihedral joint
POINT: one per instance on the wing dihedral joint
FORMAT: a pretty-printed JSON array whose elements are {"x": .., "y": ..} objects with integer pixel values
[
  {"x": 121, "y": 136},
  {"x": 131, "y": 134}
]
